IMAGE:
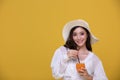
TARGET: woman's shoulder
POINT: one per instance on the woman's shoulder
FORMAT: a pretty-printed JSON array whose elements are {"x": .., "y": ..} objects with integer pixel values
[
  {"x": 61, "y": 48},
  {"x": 94, "y": 56}
]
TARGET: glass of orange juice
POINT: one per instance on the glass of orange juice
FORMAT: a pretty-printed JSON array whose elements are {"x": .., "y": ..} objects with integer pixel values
[{"x": 80, "y": 66}]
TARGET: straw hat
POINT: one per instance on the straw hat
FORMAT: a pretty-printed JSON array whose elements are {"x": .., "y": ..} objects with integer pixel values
[{"x": 78, "y": 22}]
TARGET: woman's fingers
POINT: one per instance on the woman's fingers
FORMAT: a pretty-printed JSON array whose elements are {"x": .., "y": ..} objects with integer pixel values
[
  {"x": 73, "y": 53},
  {"x": 83, "y": 72}
]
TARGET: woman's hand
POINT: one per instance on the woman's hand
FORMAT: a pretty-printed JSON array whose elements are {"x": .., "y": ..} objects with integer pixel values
[
  {"x": 83, "y": 72},
  {"x": 72, "y": 54}
]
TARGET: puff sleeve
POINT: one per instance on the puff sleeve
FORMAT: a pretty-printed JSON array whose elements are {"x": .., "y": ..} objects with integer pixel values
[
  {"x": 99, "y": 73},
  {"x": 59, "y": 63}
]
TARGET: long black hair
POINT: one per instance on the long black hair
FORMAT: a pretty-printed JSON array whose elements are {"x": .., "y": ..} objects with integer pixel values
[{"x": 72, "y": 45}]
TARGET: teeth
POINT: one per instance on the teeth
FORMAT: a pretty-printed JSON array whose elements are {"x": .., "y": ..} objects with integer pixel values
[{"x": 79, "y": 41}]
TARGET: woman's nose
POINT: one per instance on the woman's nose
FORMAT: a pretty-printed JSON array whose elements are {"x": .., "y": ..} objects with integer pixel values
[{"x": 78, "y": 37}]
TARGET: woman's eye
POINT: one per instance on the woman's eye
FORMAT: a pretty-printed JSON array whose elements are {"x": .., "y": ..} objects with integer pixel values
[
  {"x": 74, "y": 34},
  {"x": 82, "y": 33}
]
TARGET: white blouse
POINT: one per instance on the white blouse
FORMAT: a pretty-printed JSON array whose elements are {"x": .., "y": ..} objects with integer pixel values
[{"x": 64, "y": 68}]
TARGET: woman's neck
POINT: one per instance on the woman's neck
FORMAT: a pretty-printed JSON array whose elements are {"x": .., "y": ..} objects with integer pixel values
[{"x": 83, "y": 50}]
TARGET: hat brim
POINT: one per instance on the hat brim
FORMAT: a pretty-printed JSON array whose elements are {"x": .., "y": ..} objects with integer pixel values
[{"x": 79, "y": 22}]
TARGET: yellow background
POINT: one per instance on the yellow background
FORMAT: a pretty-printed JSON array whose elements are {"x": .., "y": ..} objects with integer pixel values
[{"x": 30, "y": 31}]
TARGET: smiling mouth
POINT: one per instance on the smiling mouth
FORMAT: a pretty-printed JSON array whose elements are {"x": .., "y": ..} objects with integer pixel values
[{"x": 79, "y": 41}]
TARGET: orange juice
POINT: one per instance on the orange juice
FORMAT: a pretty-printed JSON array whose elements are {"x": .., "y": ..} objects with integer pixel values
[{"x": 80, "y": 65}]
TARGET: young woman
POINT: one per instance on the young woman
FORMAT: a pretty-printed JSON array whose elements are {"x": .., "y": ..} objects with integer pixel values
[{"x": 77, "y": 48}]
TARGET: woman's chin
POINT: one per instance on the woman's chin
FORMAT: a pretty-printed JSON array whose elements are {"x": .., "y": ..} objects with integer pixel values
[{"x": 80, "y": 44}]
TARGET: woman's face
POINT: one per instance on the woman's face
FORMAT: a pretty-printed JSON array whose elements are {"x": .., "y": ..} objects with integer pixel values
[{"x": 80, "y": 36}]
